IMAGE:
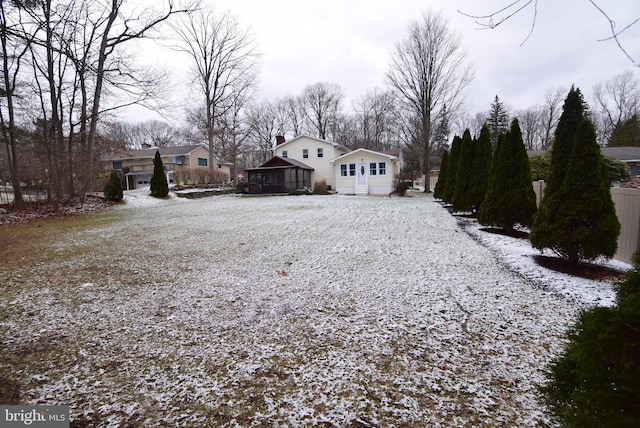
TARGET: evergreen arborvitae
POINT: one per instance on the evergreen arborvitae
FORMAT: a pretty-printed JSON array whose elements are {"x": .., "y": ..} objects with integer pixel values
[
  {"x": 586, "y": 221},
  {"x": 594, "y": 383},
  {"x": 510, "y": 198},
  {"x": 481, "y": 167},
  {"x": 159, "y": 185},
  {"x": 626, "y": 133},
  {"x": 544, "y": 232},
  {"x": 498, "y": 121},
  {"x": 464, "y": 175},
  {"x": 113, "y": 188},
  {"x": 442, "y": 176},
  {"x": 452, "y": 170}
]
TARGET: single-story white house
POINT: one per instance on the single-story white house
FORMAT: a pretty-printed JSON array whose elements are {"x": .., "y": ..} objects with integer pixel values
[{"x": 366, "y": 172}]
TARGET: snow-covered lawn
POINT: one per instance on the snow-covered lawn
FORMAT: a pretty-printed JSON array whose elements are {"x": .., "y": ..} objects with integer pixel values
[{"x": 284, "y": 311}]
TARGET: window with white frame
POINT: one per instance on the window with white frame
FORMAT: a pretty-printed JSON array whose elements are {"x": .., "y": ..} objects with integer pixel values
[
  {"x": 352, "y": 169},
  {"x": 343, "y": 170},
  {"x": 320, "y": 152},
  {"x": 382, "y": 168},
  {"x": 305, "y": 153},
  {"x": 203, "y": 162},
  {"x": 373, "y": 168},
  {"x": 284, "y": 154}
]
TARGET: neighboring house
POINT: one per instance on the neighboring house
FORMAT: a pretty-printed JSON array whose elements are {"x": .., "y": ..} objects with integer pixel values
[
  {"x": 314, "y": 153},
  {"x": 137, "y": 165},
  {"x": 304, "y": 160},
  {"x": 628, "y": 155},
  {"x": 366, "y": 172},
  {"x": 279, "y": 175}
]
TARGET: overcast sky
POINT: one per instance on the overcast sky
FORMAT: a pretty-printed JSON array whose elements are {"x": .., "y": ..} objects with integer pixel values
[{"x": 349, "y": 42}]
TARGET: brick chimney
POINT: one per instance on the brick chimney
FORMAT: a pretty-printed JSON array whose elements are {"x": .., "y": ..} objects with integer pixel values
[{"x": 279, "y": 139}]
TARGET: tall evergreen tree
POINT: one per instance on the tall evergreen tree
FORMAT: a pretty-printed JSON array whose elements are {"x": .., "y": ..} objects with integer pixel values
[
  {"x": 626, "y": 134},
  {"x": 544, "y": 232},
  {"x": 587, "y": 226},
  {"x": 464, "y": 178},
  {"x": 510, "y": 197},
  {"x": 442, "y": 176},
  {"x": 452, "y": 170},
  {"x": 481, "y": 167},
  {"x": 498, "y": 121},
  {"x": 159, "y": 184}
]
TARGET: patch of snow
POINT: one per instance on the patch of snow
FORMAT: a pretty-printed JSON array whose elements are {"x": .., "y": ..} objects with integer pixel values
[
  {"x": 287, "y": 311},
  {"x": 518, "y": 255}
]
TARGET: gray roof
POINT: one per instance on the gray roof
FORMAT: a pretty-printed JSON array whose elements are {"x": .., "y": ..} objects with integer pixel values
[
  {"x": 625, "y": 154},
  {"x": 622, "y": 153},
  {"x": 164, "y": 151}
]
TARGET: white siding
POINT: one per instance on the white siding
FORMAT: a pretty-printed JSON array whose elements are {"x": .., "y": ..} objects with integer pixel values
[{"x": 321, "y": 166}]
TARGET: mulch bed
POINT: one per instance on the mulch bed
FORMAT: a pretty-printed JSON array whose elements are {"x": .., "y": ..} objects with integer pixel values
[
  {"x": 519, "y": 234},
  {"x": 582, "y": 270}
]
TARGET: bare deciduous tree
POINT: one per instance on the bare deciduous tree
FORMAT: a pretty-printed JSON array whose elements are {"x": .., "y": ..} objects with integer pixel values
[
  {"x": 376, "y": 117},
  {"x": 12, "y": 55},
  {"x": 224, "y": 58},
  {"x": 551, "y": 111},
  {"x": 82, "y": 67},
  {"x": 322, "y": 104},
  {"x": 496, "y": 18},
  {"x": 616, "y": 102},
  {"x": 428, "y": 73},
  {"x": 530, "y": 121}
]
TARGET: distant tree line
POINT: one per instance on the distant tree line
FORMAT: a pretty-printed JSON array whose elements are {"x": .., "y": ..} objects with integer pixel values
[{"x": 76, "y": 58}]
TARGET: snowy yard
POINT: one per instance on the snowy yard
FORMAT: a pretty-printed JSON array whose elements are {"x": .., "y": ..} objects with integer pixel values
[{"x": 284, "y": 311}]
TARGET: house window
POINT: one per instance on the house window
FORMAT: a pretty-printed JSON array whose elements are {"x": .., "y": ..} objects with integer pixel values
[
  {"x": 373, "y": 168},
  {"x": 117, "y": 165},
  {"x": 382, "y": 168},
  {"x": 284, "y": 154},
  {"x": 305, "y": 153},
  {"x": 343, "y": 170},
  {"x": 320, "y": 153},
  {"x": 352, "y": 169},
  {"x": 175, "y": 160},
  {"x": 203, "y": 162}
]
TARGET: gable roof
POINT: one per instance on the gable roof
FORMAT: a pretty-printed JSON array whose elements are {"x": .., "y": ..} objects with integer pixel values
[
  {"x": 388, "y": 154},
  {"x": 278, "y": 162},
  {"x": 335, "y": 145}
]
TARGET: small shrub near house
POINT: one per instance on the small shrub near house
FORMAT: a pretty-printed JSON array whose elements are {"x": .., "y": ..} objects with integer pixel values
[
  {"x": 320, "y": 187},
  {"x": 113, "y": 188},
  {"x": 400, "y": 187}
]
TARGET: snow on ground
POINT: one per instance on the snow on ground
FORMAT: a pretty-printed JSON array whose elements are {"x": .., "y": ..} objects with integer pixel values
[
  {"x": 518, "y": 256},
  {"x": 283, "y": 311}
]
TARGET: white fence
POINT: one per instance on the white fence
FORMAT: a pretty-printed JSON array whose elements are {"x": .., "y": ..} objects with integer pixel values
[{"x": 627, "y": 202}]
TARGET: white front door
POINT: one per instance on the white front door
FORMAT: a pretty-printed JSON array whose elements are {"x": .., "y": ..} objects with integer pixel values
[
  {"x": 362, "y": 185},
  {"x": 361, "y": 168}
]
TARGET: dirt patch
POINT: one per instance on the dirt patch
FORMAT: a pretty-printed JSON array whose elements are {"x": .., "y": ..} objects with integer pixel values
[
  {"x": 519, "y": 234},
  {"x": 582, "y": 270}
]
